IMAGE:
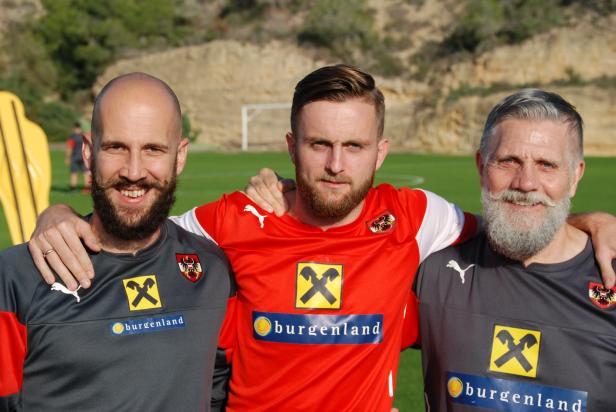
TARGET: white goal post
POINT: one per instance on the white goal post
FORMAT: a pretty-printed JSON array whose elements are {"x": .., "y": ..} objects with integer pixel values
[{"x": 251, "y": 110}]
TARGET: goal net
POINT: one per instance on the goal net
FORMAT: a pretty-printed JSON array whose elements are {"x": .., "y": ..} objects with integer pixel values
[{"x": 264, "y": 126}]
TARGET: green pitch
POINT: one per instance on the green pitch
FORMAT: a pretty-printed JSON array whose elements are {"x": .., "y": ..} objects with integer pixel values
[{"x": 208, "y": 175}]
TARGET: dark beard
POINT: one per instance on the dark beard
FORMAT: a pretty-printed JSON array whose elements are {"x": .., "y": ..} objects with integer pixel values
[
  {"x": 322, "y": 208},
  {"x": 142, "y": 227}
]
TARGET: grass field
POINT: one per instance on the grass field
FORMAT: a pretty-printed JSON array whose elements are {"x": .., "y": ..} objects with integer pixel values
[{"x": 208, "y": 175}]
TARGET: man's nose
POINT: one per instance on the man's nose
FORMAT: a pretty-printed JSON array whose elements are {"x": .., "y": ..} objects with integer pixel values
[
  {"x": 335, "y": 160},
  {"x": 526, "y": 179},
  {"x": 134, "y": 169}
]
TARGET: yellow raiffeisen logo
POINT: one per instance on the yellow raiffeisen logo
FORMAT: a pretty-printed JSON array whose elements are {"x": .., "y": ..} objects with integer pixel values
[
  {"x": 515, "y": 351},
  {"x": 319, "y": 286},
  {"x": 142, "y": 292}
]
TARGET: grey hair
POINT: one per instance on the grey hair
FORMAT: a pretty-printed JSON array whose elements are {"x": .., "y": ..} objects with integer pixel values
[{"x": 534, "y": 104}]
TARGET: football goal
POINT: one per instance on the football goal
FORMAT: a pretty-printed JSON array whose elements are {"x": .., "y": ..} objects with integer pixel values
[{"x": 269, "y": 123}]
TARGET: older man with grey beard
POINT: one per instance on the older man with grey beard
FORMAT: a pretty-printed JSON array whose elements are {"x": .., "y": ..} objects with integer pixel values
[{"x": 518, "y": 318}]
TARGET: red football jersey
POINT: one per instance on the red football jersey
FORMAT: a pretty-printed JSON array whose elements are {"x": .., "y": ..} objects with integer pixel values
[{"x": 319, "y": 313}]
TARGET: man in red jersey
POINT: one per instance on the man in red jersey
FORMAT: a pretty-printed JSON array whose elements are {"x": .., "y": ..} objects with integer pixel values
[{"x": 321, "y": 290}]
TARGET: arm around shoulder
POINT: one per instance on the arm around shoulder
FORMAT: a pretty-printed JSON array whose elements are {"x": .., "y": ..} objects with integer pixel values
[{"x": 601, "y": 227}]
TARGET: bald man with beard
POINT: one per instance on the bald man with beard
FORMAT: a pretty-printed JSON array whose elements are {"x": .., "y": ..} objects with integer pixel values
[{"x": 114, "y": 346}]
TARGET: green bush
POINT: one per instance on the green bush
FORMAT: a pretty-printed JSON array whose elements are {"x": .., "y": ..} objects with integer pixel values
[
  {"x": 343, "y": 26},
  {"x": 489, "y": 23},
  {"x": 187, "y": 129},
  {"x": 83, "y": 36},
  {"x": 56, "y": 118}
]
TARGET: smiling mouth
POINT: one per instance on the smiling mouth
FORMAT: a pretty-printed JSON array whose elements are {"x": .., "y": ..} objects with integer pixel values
[{"x": 133, "y": 194}]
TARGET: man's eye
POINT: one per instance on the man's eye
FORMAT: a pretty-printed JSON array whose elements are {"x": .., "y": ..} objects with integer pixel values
[
  {"x": 153, "y": 149},
  {"x": 548, "y": 165}
]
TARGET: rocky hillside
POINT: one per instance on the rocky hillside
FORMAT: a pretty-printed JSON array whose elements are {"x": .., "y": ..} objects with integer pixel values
[
  {"x": 443, "y": 113},
  {"x": 442, "y": 64}
]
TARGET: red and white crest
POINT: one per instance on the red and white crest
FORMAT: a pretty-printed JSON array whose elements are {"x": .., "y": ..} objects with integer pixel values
[
  {"x": 190, "y": 266},
  {"x": 601, "y": 296},
  {"x": 382, "y": 224}
]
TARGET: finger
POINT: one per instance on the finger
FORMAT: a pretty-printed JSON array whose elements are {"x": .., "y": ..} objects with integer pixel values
[
  {"x": 89, "y": 238},
  {"x": 268, "y": 176},
  {"x": 271, "y": 196},
  {"x": 265, "y": 192},
  {"x": 69, "y": 281},
  {"x": 607, "y": 270},
  {"x": 64, "y": 261},
  {"x": 40, "y": 262},
  {"x": 281, "y": 205},
  {"x": 253, "y": 193},
  {"x": 73, "y": 240}
]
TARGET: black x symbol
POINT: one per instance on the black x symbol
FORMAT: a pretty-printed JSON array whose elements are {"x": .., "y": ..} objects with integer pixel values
[
  {"x": 318, "y": 285},
  {"x": 142, "y": 291},
  {"x": 515, "y": 351}
]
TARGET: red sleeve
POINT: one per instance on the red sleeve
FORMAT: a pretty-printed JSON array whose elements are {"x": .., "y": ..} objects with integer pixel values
[
  {"x": 469, "y": 230},
  {"x": 70, "y": 143},
  {"x": 13, "y": 347}
]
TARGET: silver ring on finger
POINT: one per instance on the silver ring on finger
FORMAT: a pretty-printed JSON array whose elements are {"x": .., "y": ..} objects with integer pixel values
[{"x": 48, "y": 252}]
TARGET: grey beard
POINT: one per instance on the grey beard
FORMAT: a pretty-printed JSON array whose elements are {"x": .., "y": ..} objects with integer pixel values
[{"x": 520, "y": 235}]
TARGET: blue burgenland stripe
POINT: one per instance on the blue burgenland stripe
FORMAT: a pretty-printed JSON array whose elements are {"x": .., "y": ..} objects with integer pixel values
[
  {"x": 146, "y": 325},
  {"x": 506, "y": 395},
  {"x": 318, "y": 329}
]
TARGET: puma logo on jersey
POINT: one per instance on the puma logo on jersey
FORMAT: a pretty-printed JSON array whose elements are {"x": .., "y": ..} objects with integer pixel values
[
  {"x": 251, "y": 209},
  {"x": 61, "y": 288},
  {"x": 454, "y": 265}
]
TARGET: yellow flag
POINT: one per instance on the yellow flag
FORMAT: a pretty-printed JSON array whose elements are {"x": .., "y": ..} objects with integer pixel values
[{"x": 25, "y": 168}]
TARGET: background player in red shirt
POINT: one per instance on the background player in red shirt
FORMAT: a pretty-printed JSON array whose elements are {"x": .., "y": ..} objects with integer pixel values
[
  {"x": 321, "y": 290},
  {"x": 74, "y": 159}
]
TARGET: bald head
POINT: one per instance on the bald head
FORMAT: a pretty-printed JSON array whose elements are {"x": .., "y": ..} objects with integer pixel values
[{"x": 136, "y": 96}]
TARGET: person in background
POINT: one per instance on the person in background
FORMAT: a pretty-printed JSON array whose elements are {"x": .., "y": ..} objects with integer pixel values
[{"x": 73, "y": 158}]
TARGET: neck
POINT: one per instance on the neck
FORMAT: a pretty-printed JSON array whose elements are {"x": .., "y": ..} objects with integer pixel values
[
  {"x": 567, "y": 243},
  {"x": 111, "y": 243},
  {"x": 299, "y": 210}
]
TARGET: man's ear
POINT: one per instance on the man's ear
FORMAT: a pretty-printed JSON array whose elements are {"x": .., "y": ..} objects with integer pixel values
[
  {"x": 181, "y": 156},
  {"x": 578, "y": 172},
  {"x": 480, "y": 165},
  {"x": 291, "y": 145},
  {"x": 383, "y": 150},
  {"x": 87, "y": 150}
]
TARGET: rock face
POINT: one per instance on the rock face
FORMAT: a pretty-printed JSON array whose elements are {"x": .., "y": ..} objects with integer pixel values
[
  {"x": 587, "y": 50},
  {"x": 455, "y": 128},
  {"x": 214, "y": 80},
  {"x": 583, "y": 56}
]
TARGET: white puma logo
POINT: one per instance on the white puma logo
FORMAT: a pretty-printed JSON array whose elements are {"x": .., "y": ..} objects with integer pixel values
[
  {"x": 251, "y": 209},
  {"x": 63, "y": 289},
  {"x": 454, "y": 265}
]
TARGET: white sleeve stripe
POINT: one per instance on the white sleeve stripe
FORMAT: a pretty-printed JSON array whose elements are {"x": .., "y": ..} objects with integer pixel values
[
  {"x": 189, "y": 222},
  {"x": 441, "y": 226}
]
